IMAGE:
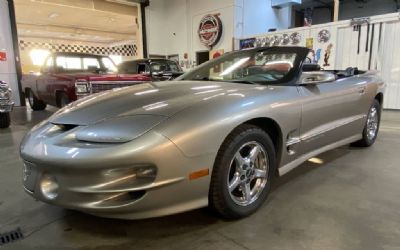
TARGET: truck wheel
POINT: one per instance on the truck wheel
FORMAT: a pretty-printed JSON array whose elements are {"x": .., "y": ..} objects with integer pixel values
[
  {"x": 63, "y": 100},
  {"x": 4, "y": 120},
  {"x": 35, "y": 103}
]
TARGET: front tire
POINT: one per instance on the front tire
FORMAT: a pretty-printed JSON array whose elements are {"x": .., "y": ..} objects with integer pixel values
[
  {"x": 241, "y": 177},
  {"x": 63, "y": 100},
  {"x": 34, "y": 102},
  {"x": 371, "y": 127},
  {"x": 5, "y": 120}
]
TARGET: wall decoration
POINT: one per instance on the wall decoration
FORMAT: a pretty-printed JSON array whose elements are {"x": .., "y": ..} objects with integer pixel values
[
  {"x": 285, "y": 39},
  {"x": 210, "y": 30},
  {"x": 124, "y": 50},
  {"x": 308, "y": 13},
  {"x": 216, "y": 53},
  {"x": 327, "y": 55},
  {"x": 259, "y": 42},
  {"x": 276, "y": 40},
  {"x": 247, "y": 43},
  {"x": 266, "y": 42},
  {"x": 3, "y": 56},
  {"x": 324, "y": 36},
  {"x": 316, "y": 56},
  {"x": 310, "y": 43},
  {"x": 295, "y": 38}
]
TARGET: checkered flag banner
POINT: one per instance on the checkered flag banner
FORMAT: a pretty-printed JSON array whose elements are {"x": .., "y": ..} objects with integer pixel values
[{"x": 123, "y": 50}]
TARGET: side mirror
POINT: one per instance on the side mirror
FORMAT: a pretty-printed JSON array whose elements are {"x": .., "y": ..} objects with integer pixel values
[{"x": 312, "y": 78}]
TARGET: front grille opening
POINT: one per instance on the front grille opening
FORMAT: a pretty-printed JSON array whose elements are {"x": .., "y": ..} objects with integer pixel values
[{"x": 11, "y": 236}]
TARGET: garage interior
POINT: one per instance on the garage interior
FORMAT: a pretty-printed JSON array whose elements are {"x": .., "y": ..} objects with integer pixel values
[{"x": 345, "y": 198}]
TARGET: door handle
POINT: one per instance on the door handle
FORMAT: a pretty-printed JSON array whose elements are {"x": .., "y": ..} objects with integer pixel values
[{"x": 361, "y": 90}]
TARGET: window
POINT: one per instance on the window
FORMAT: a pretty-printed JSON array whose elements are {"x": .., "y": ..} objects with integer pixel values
[
  {"x": 48, "y": 66},
  {"x": 174, "y": 67},
  {"x": 159, "y": 67},
  {"x": 143, "y": 68},
  {"x": 91, "y": 63},
  {"x": 68, "y": 63},
  {"x": 129, "y": 67},
  {"x": 109, "y": 64}
]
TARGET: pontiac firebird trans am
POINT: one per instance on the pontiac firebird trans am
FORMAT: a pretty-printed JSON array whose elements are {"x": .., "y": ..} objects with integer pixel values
[{"x": 214, "y": 136}]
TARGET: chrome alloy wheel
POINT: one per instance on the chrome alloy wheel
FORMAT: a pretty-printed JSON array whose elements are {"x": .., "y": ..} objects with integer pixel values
[
  {"x": 248, "y": 173},
  {"x": 372, "y": 123}
]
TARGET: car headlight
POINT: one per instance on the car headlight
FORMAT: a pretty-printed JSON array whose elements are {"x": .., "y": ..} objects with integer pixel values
[
  {"x": 82, "y": 87},
  {"x": 119, "y": 129}
]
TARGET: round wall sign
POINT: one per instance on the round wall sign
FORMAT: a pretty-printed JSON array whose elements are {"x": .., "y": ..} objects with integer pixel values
[{"x": 210, "y": 30}]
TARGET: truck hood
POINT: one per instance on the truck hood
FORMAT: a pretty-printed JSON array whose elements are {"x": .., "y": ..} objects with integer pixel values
[{"x": 160, "y": 98}]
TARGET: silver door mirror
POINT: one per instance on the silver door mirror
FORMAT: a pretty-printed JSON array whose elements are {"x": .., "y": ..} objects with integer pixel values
[{"x": 316, "y": 77}]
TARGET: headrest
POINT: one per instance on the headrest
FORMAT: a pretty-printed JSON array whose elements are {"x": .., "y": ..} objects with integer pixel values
[{"x": 311, "y": 67}]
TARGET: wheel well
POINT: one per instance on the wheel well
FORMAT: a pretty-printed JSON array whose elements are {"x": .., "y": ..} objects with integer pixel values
[
  {"x": 274, "y": 131},
  {"x": 58, "y": 96},
  {"x": 379, "y": 97}
]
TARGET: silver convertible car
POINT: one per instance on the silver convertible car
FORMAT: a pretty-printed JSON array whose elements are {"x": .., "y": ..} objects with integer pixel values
[{"x": 214, "y": 136}]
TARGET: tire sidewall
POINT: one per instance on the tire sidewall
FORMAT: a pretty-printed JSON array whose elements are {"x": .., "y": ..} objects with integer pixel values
[
  {"x": 246, "y": 136},
  {"x": 5, "y": 120}
]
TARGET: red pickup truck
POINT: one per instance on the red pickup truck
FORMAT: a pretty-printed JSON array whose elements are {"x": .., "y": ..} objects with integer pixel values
[{"x": 65, "y": 77}]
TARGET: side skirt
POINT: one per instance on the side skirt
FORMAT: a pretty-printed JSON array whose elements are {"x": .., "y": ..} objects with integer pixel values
[{"x": 291, "y": 165}]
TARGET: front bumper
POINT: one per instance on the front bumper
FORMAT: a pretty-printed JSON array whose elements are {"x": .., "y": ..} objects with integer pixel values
[
  {"x": 100, "y": 178},
  {"x": 6, "y": 106}
]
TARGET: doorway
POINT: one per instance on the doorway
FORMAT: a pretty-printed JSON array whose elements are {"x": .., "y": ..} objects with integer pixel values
[{"x": 202, "y": 56}]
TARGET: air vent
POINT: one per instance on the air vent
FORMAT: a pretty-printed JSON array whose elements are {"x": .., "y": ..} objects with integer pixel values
[
  {"x": 65, "y": 127},
  {"x": 10, "y": 237}
]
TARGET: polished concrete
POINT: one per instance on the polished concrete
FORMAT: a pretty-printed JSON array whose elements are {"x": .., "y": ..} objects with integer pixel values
[{"x": 350, "y": 201}]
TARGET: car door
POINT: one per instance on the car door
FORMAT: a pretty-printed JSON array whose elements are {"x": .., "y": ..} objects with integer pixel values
[
  {"x": 44, "y": 81},
  {"x": 331, "y": 112}
]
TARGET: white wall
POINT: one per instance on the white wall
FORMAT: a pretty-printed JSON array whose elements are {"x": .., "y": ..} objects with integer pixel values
[
  {"x": 7, "y": 68},
  {"x": 351, "y": 9},
  {"x": 172, "y": 25},
  {"x": 257, "y": 16}
]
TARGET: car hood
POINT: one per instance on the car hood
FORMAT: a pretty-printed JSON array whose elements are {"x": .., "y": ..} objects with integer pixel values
[{"x": 160, "y": 98}]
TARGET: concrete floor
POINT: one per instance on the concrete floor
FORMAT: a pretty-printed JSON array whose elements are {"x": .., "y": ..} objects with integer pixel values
[{"x": 351, "y": 201}]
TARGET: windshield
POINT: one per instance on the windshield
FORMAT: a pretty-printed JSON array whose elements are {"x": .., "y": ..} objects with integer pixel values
[
  {"x": 140, "y": 67},
  {"x": 165, "y": 66},
  {"x": 262, "y": 66}
]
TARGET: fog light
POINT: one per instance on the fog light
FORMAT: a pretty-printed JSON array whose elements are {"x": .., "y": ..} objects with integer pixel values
[{"x": 49, "y": 187}]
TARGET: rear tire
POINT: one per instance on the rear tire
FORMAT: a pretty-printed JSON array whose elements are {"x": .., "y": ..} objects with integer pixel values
[
  {"x": 371, "y": 127},
  {"x": 5, "y": 120},
  {"x": 241, "y": 177},
  {"x": 34, "y": 102}
]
